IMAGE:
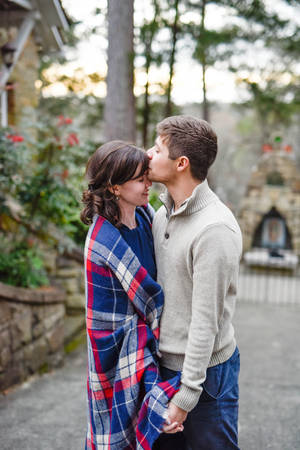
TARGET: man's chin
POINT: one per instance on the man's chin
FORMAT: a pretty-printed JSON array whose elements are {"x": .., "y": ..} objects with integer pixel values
[{"x": 152, "y": 176}]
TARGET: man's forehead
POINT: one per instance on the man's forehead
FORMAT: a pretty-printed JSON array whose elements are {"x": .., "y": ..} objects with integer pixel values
[{"x": 161, "y": 139}]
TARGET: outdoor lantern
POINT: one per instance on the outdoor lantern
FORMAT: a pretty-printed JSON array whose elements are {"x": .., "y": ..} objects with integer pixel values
[{"x": 7, "y": 53}]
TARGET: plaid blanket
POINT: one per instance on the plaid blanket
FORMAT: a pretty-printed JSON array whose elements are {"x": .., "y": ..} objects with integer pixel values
[{"x": 127, "y": 399}]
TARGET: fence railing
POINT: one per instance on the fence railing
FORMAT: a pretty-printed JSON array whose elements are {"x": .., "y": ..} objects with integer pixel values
[{"x": 269, "y": 285}]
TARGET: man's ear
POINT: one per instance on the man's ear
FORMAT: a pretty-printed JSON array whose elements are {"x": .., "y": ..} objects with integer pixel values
[{"x": 183, "y": 163}]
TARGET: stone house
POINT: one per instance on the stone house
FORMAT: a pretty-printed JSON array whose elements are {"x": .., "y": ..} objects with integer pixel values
[{"x": 28, "y": 28}]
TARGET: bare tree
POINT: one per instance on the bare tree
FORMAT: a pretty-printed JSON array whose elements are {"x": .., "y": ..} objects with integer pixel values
[{"x": 120, "y": 103}]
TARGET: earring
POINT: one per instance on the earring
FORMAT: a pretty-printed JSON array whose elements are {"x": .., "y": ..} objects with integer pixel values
[{"x": 117, "y": 198}]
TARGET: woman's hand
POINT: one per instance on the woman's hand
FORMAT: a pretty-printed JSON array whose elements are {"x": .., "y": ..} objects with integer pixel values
[{"x": 176, "y": 417}]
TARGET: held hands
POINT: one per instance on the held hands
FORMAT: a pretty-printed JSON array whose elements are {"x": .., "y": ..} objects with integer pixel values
[{"x": 175, "y": 419}]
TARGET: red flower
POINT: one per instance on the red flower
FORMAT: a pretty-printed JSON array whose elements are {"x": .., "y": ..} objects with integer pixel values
[
  {"x": 62, "y": 120},
  {"x": 267, "y": 148},
  {"x": 288, "y": 148},
  {"x": 73, "y": 139},
  {"x": 15, "y": 138}
]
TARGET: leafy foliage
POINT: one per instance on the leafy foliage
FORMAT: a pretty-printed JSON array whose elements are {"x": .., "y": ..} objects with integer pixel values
[
  {"x": 13, "y": 157},
  {"x": 275, "y": 105},
  {"x": 53, "y": 181},
  {"x": 42, "y": 179},
  {"x": 21, "y": 264}
]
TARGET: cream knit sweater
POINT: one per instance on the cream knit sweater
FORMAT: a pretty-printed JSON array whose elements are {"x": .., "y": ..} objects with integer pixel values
[{"x": 198, "y": 249}]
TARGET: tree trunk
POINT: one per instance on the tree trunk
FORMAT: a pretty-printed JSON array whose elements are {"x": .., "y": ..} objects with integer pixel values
[
  {"x": 120, "y": 104},
  {"x": 205, "y": 106},
  {"x": 146, "y": 113},
  {"x": 149, "y": 58},
  {"x": 172, "y": 59}
]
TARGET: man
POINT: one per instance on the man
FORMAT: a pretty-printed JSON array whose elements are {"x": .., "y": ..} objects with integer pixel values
[{"x": 198, "y": 246}]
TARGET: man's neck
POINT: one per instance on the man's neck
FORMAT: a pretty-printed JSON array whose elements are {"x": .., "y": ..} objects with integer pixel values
[{"x": 181, "y": 189}]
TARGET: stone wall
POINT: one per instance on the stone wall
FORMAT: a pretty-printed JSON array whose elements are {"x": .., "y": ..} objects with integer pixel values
[
  {"x": 70, "y": 276},
  {"x": 31, "y": 332},
  {"x": 67, "y": 273}
]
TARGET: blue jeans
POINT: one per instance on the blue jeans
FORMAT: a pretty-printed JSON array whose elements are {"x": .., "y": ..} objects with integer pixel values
[{"x": 213, "y": 423}]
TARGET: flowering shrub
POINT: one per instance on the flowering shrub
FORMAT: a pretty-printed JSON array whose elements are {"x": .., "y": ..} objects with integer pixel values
[
  {"x": 13, "y": 157},
  {"x": 42, "y": 173},
  {"x": 51, "y": 191},
  {"x": 14, "y": 138},
  {"x": 62, "y": 120}
]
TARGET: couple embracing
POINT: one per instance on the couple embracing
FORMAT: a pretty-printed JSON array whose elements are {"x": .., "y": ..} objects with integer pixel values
[{"x": 163, "y": 363}]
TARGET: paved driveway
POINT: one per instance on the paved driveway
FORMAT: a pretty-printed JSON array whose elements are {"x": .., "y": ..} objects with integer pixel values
[
  {"x": 48, "y": 413},
  {"x": 269, "y": 338}
]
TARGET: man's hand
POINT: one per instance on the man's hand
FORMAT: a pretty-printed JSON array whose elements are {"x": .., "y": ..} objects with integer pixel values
[{"x": 176, "y": 417}]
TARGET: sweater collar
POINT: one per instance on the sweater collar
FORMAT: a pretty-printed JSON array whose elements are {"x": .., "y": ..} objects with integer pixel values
[{"x": 201, "y": 196}]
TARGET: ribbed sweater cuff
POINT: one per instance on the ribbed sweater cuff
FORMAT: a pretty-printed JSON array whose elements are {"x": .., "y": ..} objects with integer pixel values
[{"x": 186, "y": 398}]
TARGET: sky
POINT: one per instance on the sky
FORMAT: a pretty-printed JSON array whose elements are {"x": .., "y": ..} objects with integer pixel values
[{"x": 91, "y": 55}]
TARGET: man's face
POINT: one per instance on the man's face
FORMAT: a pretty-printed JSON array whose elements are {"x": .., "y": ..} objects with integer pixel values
[{"x": 161, "y": 168}]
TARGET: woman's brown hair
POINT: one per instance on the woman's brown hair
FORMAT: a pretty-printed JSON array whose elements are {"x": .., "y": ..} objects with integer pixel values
[{"x": 113, "y": 163}]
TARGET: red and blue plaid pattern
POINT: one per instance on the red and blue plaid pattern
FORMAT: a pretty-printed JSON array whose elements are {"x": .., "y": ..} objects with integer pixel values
[{"x": 127, "y": 400}]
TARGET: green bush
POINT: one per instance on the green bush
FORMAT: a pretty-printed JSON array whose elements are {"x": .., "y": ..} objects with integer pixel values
[
  {"x": 42, "y": 178},
  {"x": 21, "y": 265},
  {"x": 44, "y": 173},
  {"x": 13, "y": 158}
]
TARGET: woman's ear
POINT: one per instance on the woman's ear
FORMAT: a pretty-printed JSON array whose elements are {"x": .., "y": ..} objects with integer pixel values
[
  {"x": 182, "y": 163},
  {"x": 115, "y": 190}
]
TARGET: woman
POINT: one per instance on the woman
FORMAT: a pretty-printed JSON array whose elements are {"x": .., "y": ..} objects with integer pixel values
[{"x": 127, "y": 401}]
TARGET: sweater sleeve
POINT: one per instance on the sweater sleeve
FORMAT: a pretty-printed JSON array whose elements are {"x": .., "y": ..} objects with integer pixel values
[{"x": 214, "y": 259}]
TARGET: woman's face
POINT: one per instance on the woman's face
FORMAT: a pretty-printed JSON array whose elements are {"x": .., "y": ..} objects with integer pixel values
[{"x": 135, "y": 191}]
